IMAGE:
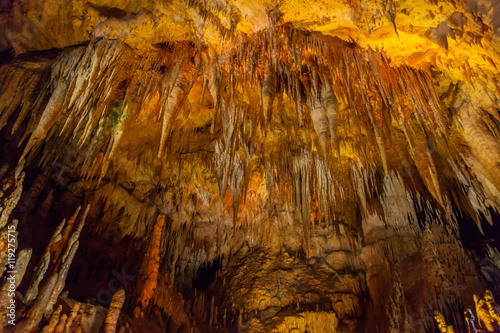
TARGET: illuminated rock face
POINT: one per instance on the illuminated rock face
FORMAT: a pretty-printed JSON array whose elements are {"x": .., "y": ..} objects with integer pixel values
[{"x": 255, "y": 166}]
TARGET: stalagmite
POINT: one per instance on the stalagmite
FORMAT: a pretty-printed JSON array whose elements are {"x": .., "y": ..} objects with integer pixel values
[
  {"x": 53, "y": 252},
  {"x": 36, "y": 311},
  {"x": 152, "y": 265},
  {"x": 9, "y": 203},
  {"x": 61, "y": 279},
  {"x": 12, "y": 281},
  {"x": 114, "y": 311},
  {"x": 268, "y": 93},
  {"x": 73, "y": 313},
  {"x": 88, "y": 319},
  {"x": 54, "y": 320},
  {"x": 61, "y": 242},
  {"x": 60, "y": 325},
  {"x": 41, "y": 269}
]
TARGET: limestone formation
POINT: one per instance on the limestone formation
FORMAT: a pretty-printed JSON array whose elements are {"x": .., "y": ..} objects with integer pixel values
[{"x": 250, "y": 165}]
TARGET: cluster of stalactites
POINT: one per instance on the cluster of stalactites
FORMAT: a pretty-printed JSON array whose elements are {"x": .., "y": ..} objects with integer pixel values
[{"x": 279, "y": 82}]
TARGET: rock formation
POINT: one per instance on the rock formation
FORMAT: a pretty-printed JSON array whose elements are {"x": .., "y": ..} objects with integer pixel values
[{"x": 250, "y": 166}]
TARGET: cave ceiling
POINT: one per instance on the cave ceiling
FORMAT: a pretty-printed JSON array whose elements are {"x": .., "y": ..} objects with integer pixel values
[{"x": 256, "y": 166}]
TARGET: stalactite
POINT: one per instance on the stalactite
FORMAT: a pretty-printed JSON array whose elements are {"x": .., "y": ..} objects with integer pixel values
[
  {"x": 301, "y": 171},
  {"x": 320, "y": 122},
  {"x": 49, "y": 115},
  {"x": 181, "y": 83},
  {"x": 116, "y": 137},
  {"x": 331, "y": 107}
]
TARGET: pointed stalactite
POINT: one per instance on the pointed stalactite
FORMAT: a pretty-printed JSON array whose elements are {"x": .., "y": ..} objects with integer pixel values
[
  {"x": 231, "y": 172},
  {"x": 175, "y": 89},
  {"x": 270, "y": 183},
  {"x": 49, "y": 115},
  {"x": 236, "y": 174},
  {"x": 214, "y": 86},
  {"x": 116, "y": 137},
  {"x": 320, "y": 122},
  {"x": 22, "y": 88},
  {"x": 268, "y": 93},
  {"x": 152, "y": 266},
  {"x": 302, "y": 193},
  {"x": 298, "y": 99},
  {"x": 114, "y": 311},
  {"x": 331, "y": 107},
  {"x": 94, "y": 156}
]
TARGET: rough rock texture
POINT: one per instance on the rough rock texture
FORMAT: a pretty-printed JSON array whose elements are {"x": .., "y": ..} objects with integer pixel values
[{"x": 254, "y": 166}]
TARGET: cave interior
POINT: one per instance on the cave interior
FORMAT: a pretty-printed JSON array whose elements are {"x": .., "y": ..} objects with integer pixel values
[{"x": 249, "y": 166}]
